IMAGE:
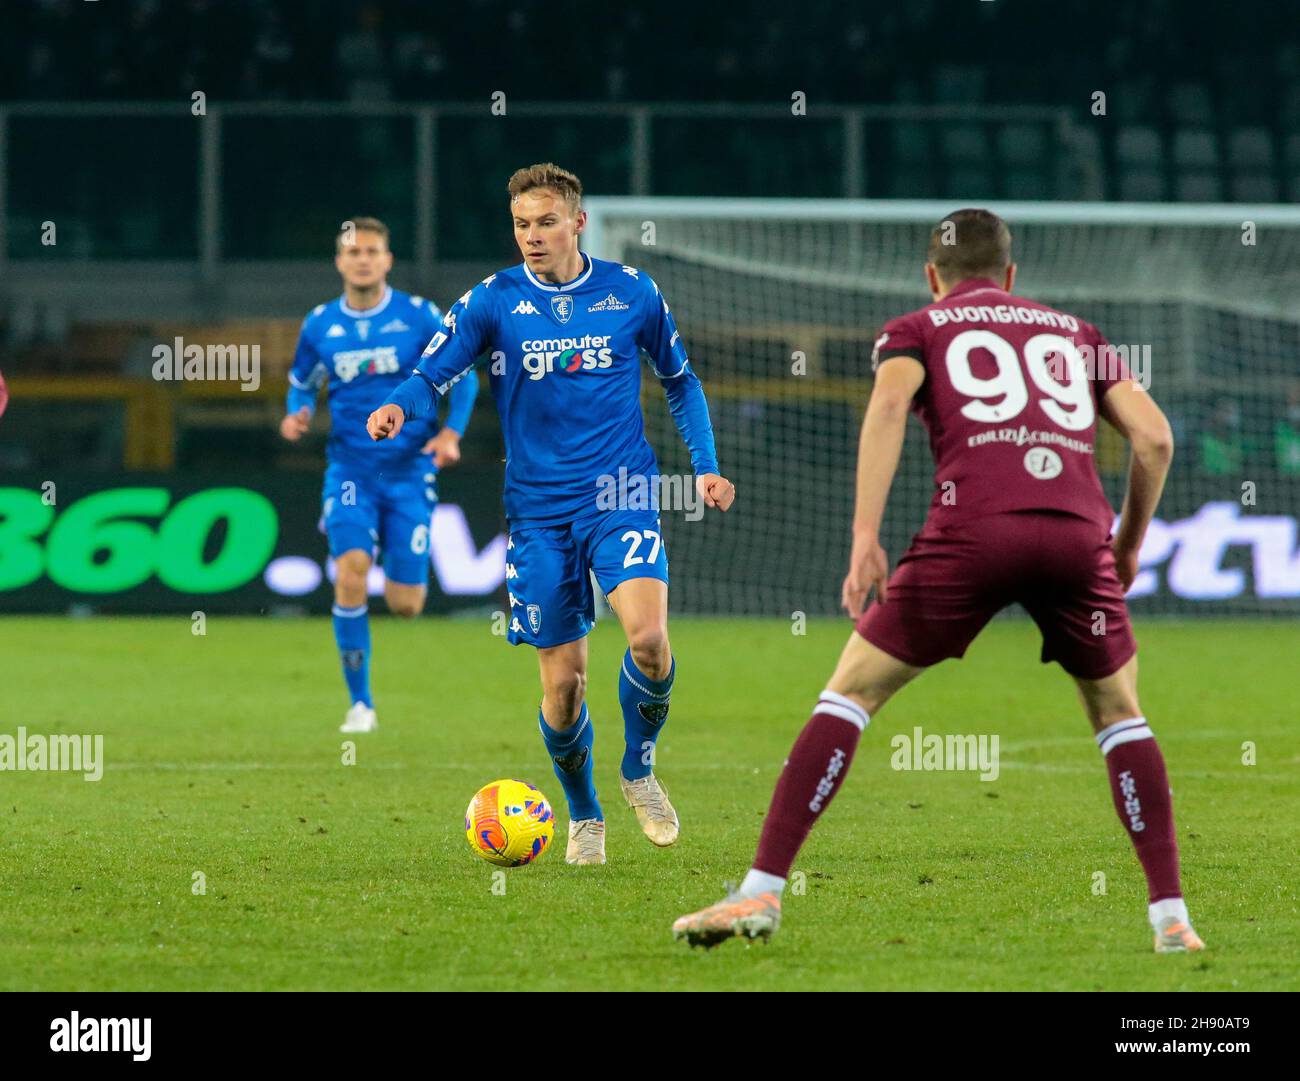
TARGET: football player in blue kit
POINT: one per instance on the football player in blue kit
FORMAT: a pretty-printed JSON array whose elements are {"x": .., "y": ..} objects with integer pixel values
[
  {"x": 376, "y": 495},
  {"x": 564, "y": 332}
]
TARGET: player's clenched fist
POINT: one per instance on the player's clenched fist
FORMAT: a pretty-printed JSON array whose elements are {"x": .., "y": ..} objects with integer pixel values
[
  {"x": 385, "y": 422},
  {"x": 717, "y": 491},
  {"x": 295, "y": 425}
]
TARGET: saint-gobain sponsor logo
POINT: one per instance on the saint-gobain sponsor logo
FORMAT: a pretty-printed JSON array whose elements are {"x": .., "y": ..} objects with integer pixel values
[
  {"x": 541, "y": 356},
  {"x": 112, "y": 1034}
]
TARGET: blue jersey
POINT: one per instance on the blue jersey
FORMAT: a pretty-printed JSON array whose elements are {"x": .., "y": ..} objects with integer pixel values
[
  {"x": 565, "y": 369},
  {"x": 364, "y": 355}
]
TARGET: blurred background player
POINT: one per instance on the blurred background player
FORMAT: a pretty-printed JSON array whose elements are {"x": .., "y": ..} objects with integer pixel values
[
  {"x": 1009, "y": 391},
  {"x": 365, "y": 343},
  {"x": 566, "y": 331}
]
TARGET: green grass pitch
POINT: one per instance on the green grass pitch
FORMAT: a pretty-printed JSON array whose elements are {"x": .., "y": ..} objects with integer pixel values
[{"x": 223, "y": 758}]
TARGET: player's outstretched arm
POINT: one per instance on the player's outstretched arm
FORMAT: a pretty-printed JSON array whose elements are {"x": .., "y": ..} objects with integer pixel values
[
  {"x": 658, "y": 336},
  {"x": 1134, "y": 414},
  {"x": 445, "y": 446},
  {"x": 897, "y": 381},
  {"x": 306, "y": 377}
]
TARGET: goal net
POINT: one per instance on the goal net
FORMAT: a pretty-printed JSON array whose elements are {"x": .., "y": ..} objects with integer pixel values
[{"x": 779, "y": 303}]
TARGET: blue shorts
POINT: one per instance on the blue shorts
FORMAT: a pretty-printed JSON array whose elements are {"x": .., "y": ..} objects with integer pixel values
[
  {"x": 392, "y": 513},
  {"x": 549, "y": 568}
]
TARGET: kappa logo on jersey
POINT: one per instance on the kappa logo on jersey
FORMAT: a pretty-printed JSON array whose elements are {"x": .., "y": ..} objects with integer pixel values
[
  {"x": 393, "y": 326},
  {"x": 335, "y": 331},
  {"x": 381, "y": 360},
  {"x": 562, "y": 307},
  {"x": 534, "y": 617},
  {"x": 363, "y": 328},
  {"x": 525, "y": 307},
  {"x": 542, "y": 356},
  {"x": 610, "y": 304}
]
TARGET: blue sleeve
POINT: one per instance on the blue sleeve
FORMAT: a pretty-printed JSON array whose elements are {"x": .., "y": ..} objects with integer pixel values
[
  {"x": 306, "y": 375},
  {"x": 449, "y": 357},
  {"x": 659, "y": 338},
  {"x": 460, "y": 402}
]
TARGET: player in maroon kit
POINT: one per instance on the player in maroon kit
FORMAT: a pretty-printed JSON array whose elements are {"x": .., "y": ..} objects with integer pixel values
[{"x": 1009, "y": 391}]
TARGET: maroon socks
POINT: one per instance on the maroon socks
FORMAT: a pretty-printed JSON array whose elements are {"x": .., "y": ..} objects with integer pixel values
[
  {"x": 817, "y": 766},
  {"x": 1140, "y": 787}
]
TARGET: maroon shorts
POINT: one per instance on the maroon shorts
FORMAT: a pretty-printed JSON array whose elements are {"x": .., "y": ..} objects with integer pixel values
[{"x": 954, "y": 579}]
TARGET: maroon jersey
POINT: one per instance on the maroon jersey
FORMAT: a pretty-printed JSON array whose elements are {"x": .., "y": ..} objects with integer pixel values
[{"x": 1011, "y": 398}]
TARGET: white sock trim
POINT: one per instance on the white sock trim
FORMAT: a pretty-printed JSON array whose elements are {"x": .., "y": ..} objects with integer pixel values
[
  {"x": 350, "y": 613},
  {"x": 845, "y": 708},
  {"x": 1169, "y": 906},
  {"x": 570, "y": 735},
  {"x": 1122, "y": 732},
  {"x": 757, "y": 882}
]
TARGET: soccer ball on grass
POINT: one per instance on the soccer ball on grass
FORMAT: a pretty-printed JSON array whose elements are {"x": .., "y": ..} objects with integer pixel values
[{"x": 509, "y": 823}]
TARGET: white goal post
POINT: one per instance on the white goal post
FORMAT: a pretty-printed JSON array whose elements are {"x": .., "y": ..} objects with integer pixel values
[{"x": 779, "y": 302}]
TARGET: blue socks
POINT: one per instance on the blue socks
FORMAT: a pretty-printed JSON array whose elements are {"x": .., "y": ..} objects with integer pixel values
[
  {"x": 570, "y": 752},
  {"x": 645, "y": 709},
  {"x": 352, "y": 633}
]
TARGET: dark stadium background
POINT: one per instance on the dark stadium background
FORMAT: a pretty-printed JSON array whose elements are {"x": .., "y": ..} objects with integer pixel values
[{"x": 218, "y": 226}]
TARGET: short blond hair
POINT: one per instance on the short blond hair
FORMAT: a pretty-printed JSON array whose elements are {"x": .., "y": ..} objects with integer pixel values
[
  {"x": 361, "y": 225},
  {"x": 551, "y": 177}
]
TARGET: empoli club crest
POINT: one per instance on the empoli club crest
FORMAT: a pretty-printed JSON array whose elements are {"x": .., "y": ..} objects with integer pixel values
[{"x": 562, "y": 306}]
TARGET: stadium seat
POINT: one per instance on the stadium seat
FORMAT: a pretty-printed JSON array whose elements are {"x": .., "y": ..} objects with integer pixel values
[
  {"x": 959, "y": 84},
  {"x": 1139, "y": 147},
  {"x": 1191, "y": 104},
  {"x": 970, "y": 182},
  {"x": 1142, "y": 185},
  {"x": 910, "y": 142},
  {"x": 1022, "y": 144},
  {"x": 1291, "y": 152},
  {"x": 967, "y": 144},
  {"x": 1139, "y": 155},
  {"x": 1027, "y": 184},
  {"x": 1196, "y": 165},
  {"x": 1250, "y": 148},
  {"x": 1196, "y": 149},
  {"x": 912, "y": 182},
  {"x": 1198, "y": 188},
  {"x": 1254, "y": 188}
]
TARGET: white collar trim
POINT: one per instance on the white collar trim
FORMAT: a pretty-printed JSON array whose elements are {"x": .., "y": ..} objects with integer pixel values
[
  {"x": 363, "y": 312},
  {"x": 567, "y": 285}
]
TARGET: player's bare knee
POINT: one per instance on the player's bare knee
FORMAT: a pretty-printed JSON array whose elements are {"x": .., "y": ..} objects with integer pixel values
[
  {"x": 407, "y": 604},
  {"x": 565, "y": 694},
  {"x": 650, "y": 651},
  {"x": 352, "y": 570}
]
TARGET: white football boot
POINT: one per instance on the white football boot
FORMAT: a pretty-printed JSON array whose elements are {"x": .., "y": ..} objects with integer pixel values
[
  {"x": 657, "y": 817},
  {"x": 586, "y": 842},
  {"x": 1176, "y": 936},
  {"x": 360, "y": 718}
]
